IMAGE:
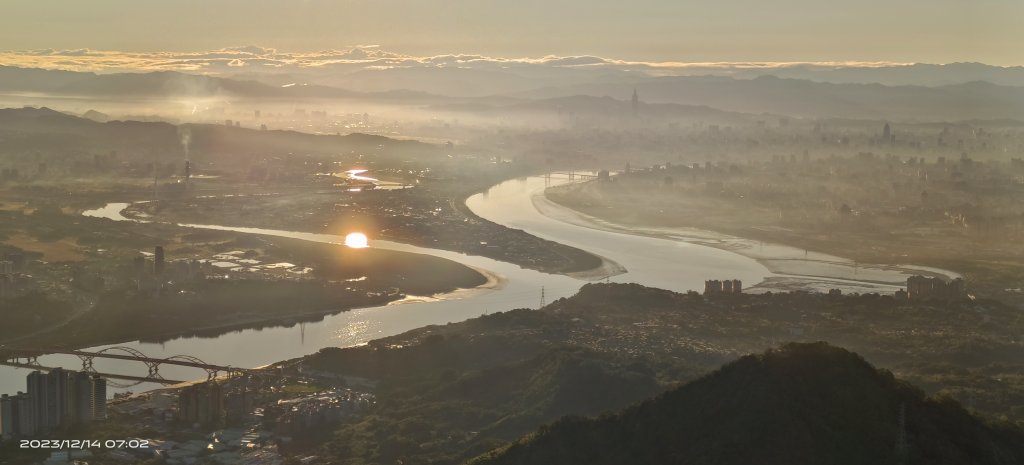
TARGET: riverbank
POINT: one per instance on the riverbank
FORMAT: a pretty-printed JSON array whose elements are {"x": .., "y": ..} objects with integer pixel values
[
  {"x": 796, "y": 267},
  {"x": 655, "y": 262},
  {"x": 432, "y": 214},
  {"x": 270, "y": 282}
]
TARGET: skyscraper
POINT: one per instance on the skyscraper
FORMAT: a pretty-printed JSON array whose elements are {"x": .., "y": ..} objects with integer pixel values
[
  {"x": 636, "y": 103},
  {"x": 158, "y": 264},
  {"x": 50, "y": 398},
  {"x": 81, "y": 398},
  {"x": 37, "y": 396},
  {"x": 99, "y": 398},
  {"x": 57, "y": 397}
]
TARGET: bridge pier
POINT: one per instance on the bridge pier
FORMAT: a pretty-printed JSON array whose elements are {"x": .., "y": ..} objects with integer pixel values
[{"x": 86, "y": 362}]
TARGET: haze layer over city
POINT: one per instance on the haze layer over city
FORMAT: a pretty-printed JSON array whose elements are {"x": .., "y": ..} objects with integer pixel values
[{"x": 454, "y": 232}]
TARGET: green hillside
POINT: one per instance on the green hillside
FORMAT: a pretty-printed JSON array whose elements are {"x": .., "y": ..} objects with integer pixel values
[{"x": 801, "y": 404}]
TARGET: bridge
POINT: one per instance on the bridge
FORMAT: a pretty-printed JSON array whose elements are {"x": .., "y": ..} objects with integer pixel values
[
  {"x": 572, "y": 175},
  {"x": 29, "y": 358}
]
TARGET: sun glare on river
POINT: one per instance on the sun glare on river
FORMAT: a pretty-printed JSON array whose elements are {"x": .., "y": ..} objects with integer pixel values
[{"x": 356, "y": 241}]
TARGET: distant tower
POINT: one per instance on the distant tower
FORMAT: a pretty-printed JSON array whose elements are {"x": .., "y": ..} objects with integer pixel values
[
  {"x": 158, "y": 264},
  {"x": 186, "y": 139},
  {"x": 636, "y": 103},
  {"x": 886, "y": 133}
]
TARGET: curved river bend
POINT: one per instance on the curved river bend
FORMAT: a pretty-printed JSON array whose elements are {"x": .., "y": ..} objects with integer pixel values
[{"x": 677, "y": 262}]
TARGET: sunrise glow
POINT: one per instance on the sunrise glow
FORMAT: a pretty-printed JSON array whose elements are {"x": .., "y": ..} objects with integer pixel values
[{"x": 357, "y": 240}]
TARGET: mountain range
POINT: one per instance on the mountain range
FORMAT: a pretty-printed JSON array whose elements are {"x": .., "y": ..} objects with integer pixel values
[{"x": 976, "y": 100}]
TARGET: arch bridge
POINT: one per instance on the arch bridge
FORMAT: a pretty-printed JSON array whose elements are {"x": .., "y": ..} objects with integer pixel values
[{"x": 29, "y": 358}]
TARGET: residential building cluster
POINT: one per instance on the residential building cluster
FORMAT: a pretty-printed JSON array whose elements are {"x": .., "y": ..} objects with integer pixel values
[
  {"x": 201, "y": 404},
  {"x": 153, "y": 272},
  {"x": 55, "y": 400},
  {"x": 211, "y": 403},
  {"x": 928, "y": 288},
  {"x": 727, "y": 286},
  {"x": 307, "y": 413}
]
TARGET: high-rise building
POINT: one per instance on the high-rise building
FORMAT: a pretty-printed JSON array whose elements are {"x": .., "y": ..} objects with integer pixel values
[
  {"x": 99, "y": 398},
  {"x": 28, "y": 425},
  {"x": 727, "y": 286},
  {"x": 201, "y": 403},
  {"x": 81, "y": 398},
  {"x": 37, "y": 382},
  {"x": 16, "y": 417},
  {"x": 925, "y": 288},
  {"x": 50, "y": 398},
  {"x": 9, "y": 417},
  {"x": 57, "y": 398},
  {"x": 158, "y": 263},
  {"x": 636, "y": 103}
]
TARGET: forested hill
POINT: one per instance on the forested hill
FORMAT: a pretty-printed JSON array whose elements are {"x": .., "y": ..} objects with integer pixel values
[{"x": 801, "y": 404}]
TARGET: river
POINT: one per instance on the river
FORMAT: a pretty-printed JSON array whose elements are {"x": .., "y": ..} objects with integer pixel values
[{"x": 679, "y": 260}]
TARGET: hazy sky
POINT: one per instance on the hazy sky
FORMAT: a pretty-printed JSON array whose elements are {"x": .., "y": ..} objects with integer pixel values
[{"x": 933, "y": 31}]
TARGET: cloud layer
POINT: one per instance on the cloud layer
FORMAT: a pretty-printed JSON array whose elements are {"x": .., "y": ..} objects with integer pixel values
[{"x": 254, "y": 59}]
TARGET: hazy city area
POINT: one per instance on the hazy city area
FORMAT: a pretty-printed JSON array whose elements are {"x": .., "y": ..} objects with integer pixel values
[{"x": 659, "y": 233}]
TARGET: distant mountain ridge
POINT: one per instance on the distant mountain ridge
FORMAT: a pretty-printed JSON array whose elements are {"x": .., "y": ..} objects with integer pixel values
[
  {"x": 801, "y": 404},
  {"x": 172, "y": 84},
  {"x": 802, "y": 98},
  {"x": 975, "y": 100},
  {"x": 603, "y": 107},
  {"x": 44, "y": 128},
  {"x": 919, "y": 74}
]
